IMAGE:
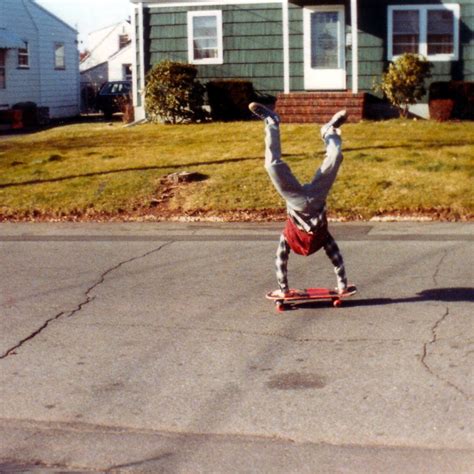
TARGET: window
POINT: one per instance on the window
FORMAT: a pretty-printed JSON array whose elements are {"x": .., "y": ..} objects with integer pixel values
[
  {"x": 205, "y": 37},
  {"x": 406, "y": 32},
  {"x": 59, "y": 56},
  {"x": 24, "y": 57},
  {"x": 124, "y": 40},
  {"x": 127, "y": 72},
  {"x": 429, "y": 30},
  {"x": 3, "y": 79},
  {"x": 440, "y": 32}
]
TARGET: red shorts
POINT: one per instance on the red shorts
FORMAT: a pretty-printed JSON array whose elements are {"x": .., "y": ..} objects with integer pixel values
[{"x": 304, "y": 243}]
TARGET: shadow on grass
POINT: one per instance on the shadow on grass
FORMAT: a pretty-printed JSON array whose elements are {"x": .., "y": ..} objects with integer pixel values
[
  {"x": 126, "y": 170},
  {"x": 418, "y": 145},
  {"x": 448, "y": 295}
]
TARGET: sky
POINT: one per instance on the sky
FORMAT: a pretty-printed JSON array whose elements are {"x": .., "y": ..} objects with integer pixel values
[{"x": 88, "y": 15}]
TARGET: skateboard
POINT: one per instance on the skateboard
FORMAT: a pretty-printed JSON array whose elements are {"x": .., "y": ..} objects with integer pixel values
[{"x": 300, "y": 296}]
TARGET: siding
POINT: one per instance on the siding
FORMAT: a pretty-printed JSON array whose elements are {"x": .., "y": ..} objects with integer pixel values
[
  {"x": 117, "y": 62},
  {"x": 466, "y": 61},
  {"x": 373, "y": 36},
  {"x": 59, "y": 88},
  {"x": 104, "y": 44},
  {"x": 253, "y": 43},
  {"x": 21, "y": 84},
  {"x": 40, "y": 83}
]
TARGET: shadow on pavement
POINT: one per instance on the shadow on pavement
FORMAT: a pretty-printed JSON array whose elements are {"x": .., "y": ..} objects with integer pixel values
[{"x": 436, "y": 294}]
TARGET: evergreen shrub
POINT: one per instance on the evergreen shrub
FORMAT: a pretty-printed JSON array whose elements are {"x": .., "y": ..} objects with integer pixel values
[
  {"x": 404, "y": 82},
  {"x": 173, "y": 94}
]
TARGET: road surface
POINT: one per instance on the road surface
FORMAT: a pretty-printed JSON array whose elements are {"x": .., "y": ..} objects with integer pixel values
[{"x": 151, "y": 348}]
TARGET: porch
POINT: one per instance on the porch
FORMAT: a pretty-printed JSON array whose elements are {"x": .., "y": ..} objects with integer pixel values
[{"x": 319, "y": 107}]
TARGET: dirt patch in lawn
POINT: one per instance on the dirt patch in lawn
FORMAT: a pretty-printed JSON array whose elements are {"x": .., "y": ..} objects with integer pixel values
[{"x": 158, "y": 209}]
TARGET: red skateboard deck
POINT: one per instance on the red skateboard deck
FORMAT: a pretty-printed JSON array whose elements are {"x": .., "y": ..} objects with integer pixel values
[{"x": 309, "y": 294}]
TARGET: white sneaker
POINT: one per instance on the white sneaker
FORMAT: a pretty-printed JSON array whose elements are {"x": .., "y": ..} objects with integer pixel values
[
  {"x": 263, "y": 112},
  {"x": 347, "y": 289},
  {"x": 336, "y": 121}
]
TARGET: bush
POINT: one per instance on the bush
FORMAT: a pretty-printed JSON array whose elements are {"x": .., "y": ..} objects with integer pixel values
[
  {"x": 172, "y": 93},
  {"x": 229, "y": 99},
  {"x": 455, "y": 97},
  {"x": 403, "y": 83}
]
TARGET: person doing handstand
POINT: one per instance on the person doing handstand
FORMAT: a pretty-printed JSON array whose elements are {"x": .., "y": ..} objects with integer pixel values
[{"x": 306, "y": 229}]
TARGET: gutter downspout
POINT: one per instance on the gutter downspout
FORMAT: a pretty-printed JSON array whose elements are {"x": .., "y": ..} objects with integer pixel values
[
  {"x": 134, "y": 55},
  {"x": 355, "y": 47},
  {"x": 139, "y": 89},
  {"x": 286, "y": 47}
]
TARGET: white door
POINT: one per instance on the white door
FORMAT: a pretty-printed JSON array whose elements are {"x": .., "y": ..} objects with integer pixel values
[{"x": 324, "y": 43}]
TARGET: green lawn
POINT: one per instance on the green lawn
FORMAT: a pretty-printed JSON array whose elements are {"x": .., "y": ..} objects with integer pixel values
[{"x": 92, "y": 170}]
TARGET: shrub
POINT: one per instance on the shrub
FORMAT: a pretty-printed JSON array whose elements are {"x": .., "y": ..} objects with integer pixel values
[
  {"x": 173, "y": 94},
  {"x": 229, "y": 99},
  {"x": 403, "y": 83}
]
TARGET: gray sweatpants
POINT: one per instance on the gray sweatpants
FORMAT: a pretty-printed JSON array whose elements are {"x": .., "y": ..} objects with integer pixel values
[{"x": 307, "y": 200}]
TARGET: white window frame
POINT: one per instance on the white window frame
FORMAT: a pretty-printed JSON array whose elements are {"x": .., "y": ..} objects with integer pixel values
[
  {"x": 123, "y": 40},
  {"x": 220, "y": 55},
  {"x": 57, "y": 46},
  {"x": 423, "y": 15},
  {"x": 25, "y": 54}
]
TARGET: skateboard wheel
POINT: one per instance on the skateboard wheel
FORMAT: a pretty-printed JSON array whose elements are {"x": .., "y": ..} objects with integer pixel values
[
  {"x": 280, "y": 307},
  {"x": 337, "y": 303}
]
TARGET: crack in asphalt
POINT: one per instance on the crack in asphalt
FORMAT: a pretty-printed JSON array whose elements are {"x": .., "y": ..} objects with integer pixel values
[
  {"x": 80, "y": 306},
  {"x": 424, "y": 356},
  {"x": 438, "y": 267},
  {"x": 434, "y": 339}
]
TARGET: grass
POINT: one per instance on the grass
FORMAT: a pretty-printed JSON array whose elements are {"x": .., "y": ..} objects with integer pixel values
[{"x": 88, "y": 170}]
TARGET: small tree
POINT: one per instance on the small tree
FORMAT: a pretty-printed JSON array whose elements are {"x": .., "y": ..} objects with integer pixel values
[
  {"x": 403, "y": 83},
  {"x": 173, "y": 94}
]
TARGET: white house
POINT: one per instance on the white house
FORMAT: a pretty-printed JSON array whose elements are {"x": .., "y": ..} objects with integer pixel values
[
  {"x": 39, "y": 59},
  {"x": 109, "y": 56}
]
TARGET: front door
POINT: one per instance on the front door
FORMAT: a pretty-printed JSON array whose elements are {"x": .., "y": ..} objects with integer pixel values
[{"x": 324, "y": 42}]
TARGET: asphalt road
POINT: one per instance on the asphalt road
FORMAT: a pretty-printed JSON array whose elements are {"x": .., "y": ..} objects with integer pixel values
[{"x": 150, "y": 348}]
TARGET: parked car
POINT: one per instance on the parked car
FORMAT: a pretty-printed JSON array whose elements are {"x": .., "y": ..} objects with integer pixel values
[{"x": 113, "y": 96}]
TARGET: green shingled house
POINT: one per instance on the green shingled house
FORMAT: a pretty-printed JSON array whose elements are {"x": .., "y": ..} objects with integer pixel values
[{"x": 313, "y": 56}]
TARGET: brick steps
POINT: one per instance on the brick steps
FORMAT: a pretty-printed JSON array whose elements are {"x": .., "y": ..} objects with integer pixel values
[{"x": 319, "y": 107}]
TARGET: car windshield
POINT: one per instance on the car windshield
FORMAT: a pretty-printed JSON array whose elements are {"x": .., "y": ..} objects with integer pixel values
[{"x": 116, "y": 88}]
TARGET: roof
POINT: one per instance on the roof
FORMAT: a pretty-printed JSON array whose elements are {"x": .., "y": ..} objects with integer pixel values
[
  {"x": 37, "y": 5},
  {"x": 113, "y": 25},
  {"x": 121, "y": 51},
  {"x": 10, "y": 40}
]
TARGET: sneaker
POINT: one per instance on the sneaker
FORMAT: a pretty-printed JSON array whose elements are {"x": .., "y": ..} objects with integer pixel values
[
  {"x": 280, "y": 293},
  {"x": 336, "y": 121},
  {"x": 263, "y": 112},
  {"x": 288, "y": 293},
  {"x": 348, "y": 289}
]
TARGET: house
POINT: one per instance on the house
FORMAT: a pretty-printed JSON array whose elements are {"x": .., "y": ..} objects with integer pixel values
[
  {"x": 39, "y": 59},
  {"x": 108, "y": 58},
  {"x": 314, "y": 56}
]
